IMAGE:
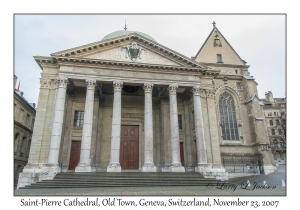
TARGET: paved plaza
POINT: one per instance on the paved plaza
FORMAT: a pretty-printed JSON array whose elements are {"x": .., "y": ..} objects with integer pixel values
[{"x": 238, "y": 187}]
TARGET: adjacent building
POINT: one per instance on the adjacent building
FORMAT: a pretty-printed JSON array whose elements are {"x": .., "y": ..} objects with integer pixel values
[
  {"x": 24, "y": 116},
  {"x": 128, "y": 102},
  {"x": 275, "y": 120}
]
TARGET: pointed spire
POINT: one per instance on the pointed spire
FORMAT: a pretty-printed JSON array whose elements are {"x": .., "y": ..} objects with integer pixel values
[
  {"x": 214, "y": 24},
  {"x": 125, "y": 26}
]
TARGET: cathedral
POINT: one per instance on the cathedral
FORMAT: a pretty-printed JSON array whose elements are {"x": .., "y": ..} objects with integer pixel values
[{"x": 128, "y": 103}]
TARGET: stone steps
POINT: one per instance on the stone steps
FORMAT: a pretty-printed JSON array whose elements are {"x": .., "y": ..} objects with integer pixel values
[{"x": 123, "y": 179}]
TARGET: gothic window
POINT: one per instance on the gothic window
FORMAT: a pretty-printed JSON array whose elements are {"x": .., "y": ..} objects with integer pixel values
[
  {"x": 78, "y": 118},
  {"x": 271, "y": 122},
  {"x": 274, "y": 113},
  {"x": 228, "y": 117}
]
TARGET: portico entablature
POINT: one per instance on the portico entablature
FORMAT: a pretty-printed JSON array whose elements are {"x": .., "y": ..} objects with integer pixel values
[
  {"x": 108, "y": 71},
  {"x": 139, "y": 80},
  {"x": 111, "y": 64}
]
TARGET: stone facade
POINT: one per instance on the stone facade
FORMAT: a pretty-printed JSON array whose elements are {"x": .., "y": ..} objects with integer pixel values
[
  {"x": 275, "y": 120},
  {"x": 24, "y": 117},
  {"x": 130, "y": 103}
]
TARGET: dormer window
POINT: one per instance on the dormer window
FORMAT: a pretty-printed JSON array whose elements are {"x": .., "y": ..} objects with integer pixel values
[{"x": 219, "y": 58}]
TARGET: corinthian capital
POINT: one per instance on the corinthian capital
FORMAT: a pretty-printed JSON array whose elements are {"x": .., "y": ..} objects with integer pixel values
[
  {"x": 45, "y": 83},
  {"x": 90, "y": 84},
  {"x": 148, "y": 87},
  {"x": 117, "y": 86},
  {"x": 196, "y": 90},
  {"x": 62, "y": 82},
  {"x": 172, "y": 89}
]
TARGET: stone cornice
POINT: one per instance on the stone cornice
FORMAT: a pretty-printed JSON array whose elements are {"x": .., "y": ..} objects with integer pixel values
[
  {"x": 226, "y": 65},
  {"x": 16, "y": 123},
  {"x": 135, "y": 37},
  {"x": 45, "y": 61},
  {"x": 230, "y": 76},
  {"x": 119, "y": 64}
]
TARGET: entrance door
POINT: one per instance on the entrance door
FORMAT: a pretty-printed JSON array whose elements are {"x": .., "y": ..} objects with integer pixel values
[
  {"x": 129, "y": 148},
  {"x": 75, "y": 154},
  {"x": 181, "y": 154}
]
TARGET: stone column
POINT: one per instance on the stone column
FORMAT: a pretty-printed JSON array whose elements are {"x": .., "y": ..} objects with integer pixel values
[
  {"x": 57, "y": 121},
  {"x": 199, "y": 129},
  {"x": 84, "y": 164},
  {"x": 114, "y": 165},
  {"x": 174, "y": 131},
  {"x": 148, "y": 145}
]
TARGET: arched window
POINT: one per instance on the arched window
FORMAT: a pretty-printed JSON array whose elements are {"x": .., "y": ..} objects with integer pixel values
[{"x": 228, "y": 117}]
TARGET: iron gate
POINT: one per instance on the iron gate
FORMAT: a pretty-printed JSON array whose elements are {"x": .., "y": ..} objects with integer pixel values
[{"x": 243, "y": 164}]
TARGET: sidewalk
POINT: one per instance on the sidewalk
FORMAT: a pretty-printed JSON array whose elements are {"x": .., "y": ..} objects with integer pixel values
[{"x": 238, "y": 187}]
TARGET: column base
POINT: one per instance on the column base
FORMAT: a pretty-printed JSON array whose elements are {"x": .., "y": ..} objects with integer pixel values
[
  {"x": 177, "y": 168},
  {"x": 209, "y": 172},
  {"x": 49, "y": 172},
  {"x": 83, "y": 167},
  {"x": 114, "y": 167},
  {"x": 149, "y": 167},
  {"x": 36, "y": 173},
  {"x": 190, "y": 168}
]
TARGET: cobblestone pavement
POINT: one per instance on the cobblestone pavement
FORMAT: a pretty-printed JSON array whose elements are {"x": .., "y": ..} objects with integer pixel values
[{"x": 238, "y": 187}]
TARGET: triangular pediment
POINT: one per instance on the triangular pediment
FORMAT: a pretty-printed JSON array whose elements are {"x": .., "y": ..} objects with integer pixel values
[
  {"x": 143, "y": 55},
  {"x": 117, "y": 49},
  {"x": 216, "y": 49}
]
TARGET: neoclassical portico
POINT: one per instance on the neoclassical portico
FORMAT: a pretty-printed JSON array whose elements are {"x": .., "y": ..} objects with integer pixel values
[{"x": 148, "y": 165}]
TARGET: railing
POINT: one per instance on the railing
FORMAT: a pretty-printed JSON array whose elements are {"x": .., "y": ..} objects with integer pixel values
[{"x": 242, "y": 164}]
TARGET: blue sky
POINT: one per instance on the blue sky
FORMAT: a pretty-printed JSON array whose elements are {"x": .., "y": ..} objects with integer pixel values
[{"x": 258, "y": 39}]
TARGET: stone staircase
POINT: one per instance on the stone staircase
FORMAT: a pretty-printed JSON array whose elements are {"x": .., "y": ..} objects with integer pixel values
[{"x": 124, "y": 179}]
